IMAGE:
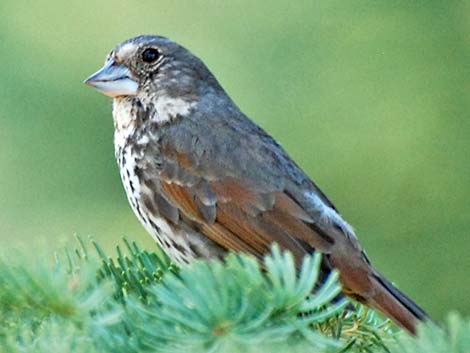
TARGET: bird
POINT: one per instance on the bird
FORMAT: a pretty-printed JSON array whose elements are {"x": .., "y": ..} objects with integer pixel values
[{"x": 204, "y": 179}]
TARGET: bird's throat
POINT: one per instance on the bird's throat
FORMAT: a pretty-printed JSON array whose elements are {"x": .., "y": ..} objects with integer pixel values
[{"x": 125, "y": 120}]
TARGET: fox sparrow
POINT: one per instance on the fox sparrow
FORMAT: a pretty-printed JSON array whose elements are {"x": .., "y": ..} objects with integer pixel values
[{"x": 204, "y": 179}]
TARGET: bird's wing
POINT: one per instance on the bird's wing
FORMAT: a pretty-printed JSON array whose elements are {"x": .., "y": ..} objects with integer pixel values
[
  {"x": 237, "y": 195},
  {"x": 240, "y": 219}
]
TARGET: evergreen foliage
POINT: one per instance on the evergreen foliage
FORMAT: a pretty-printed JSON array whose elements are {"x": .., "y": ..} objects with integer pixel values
[{"x": 139, "y": 302}]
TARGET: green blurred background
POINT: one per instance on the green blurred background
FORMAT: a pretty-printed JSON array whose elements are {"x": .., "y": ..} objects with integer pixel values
[{"x": 370, "y": 97}]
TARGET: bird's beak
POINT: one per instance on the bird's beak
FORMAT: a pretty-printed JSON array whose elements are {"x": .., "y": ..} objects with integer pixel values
[{"x": 113, "y": 80}]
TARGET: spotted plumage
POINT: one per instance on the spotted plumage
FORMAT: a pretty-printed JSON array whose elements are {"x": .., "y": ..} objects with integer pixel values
[{"x": 204, "y": 179}]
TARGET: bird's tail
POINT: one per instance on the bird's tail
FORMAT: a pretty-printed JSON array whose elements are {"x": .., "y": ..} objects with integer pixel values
[{"x": 393, "y": 303}]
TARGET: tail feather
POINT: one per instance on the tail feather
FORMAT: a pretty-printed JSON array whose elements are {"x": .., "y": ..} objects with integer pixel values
[{"x": 395, "y": 304}]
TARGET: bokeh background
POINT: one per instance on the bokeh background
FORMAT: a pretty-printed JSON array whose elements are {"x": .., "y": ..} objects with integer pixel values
[{"x": 370, "y": 97}]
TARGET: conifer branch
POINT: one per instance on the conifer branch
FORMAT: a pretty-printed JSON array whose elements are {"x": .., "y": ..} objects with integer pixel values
[{"x": 139, "y": 302}]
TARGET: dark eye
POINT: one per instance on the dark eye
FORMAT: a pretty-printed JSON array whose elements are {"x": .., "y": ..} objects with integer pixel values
[{"x": 150, "y": 55}]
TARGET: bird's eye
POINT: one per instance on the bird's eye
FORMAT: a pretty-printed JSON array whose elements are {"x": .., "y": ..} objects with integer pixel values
[{"x": 150, "y": 55}]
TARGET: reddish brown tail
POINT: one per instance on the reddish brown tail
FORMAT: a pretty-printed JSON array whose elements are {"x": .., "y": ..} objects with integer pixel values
[{"x": 393, "y": 303}]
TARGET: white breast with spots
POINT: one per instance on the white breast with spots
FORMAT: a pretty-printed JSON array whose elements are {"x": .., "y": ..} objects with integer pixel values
[{"x": 174, "y": 242}]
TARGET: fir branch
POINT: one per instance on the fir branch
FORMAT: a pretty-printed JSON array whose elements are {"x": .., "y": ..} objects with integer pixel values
[
  {"x": 134, "y": 272},
  {"x": 138, "y": 302},
  {"x": 213, "y": 304}
]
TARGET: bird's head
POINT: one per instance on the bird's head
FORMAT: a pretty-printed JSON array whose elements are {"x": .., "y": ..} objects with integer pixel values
[{"x": 150, "y": 67}]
